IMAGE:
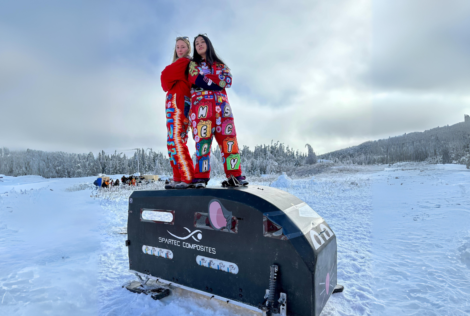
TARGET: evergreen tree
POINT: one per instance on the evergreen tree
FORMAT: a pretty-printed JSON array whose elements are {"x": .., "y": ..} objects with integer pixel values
[{"x": 311, "y": 157}]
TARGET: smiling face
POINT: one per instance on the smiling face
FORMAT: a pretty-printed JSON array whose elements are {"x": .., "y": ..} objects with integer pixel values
[
  {"x": 201, "y": 46},
  {"x": 181, "y": 48}
]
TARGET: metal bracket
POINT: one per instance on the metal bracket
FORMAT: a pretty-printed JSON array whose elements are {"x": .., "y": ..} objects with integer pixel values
[
  {"x": 143, "y": 282},
  {"x": 283, "y": 304}
]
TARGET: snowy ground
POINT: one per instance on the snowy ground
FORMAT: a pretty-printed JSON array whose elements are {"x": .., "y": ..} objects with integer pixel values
[{"x": 403, "y": 244}]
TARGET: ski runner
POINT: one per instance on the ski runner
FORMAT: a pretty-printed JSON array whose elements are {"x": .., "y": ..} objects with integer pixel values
[
  {"x": 175, "y": 83},
  {"x": 211, "y": 114}
]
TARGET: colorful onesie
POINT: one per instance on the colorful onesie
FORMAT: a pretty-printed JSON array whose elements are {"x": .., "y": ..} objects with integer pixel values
[
  {"x": 211, "y": 115},
  {"x": 178, "y": 103}
]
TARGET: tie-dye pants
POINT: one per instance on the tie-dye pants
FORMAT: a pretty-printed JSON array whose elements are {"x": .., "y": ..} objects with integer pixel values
[
  {"x": 211, "y": 115},
  {"x": 177, "y": 125}
]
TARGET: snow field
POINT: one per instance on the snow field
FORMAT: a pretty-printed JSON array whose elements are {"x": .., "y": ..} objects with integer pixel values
[
  {"x": 403, "y": 236},
  {"x": 48, "y": 248},
  {"x": 421, "y": 229}
]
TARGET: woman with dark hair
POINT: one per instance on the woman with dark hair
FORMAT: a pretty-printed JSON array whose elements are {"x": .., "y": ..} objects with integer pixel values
[
  {"x": 211, "y": 114},
  {"x": 175, "y": 83}
]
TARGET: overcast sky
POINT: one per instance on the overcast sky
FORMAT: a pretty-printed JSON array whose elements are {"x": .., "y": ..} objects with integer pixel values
[{"x": 80, "y": 77}]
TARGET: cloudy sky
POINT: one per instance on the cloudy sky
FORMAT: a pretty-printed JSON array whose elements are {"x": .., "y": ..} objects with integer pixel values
[{"x": 82, "y": 76}]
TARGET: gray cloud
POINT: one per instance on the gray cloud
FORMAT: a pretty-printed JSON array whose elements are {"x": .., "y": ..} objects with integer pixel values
[
  {"x": 329, "y": 73},
  {"x": 421, "y": 45}
]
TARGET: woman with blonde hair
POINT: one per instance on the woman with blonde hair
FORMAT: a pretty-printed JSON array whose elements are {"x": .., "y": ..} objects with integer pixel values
[{"x": 178, "y": 103}]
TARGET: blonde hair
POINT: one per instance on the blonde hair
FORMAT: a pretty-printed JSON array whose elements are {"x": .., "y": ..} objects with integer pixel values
[{"x": 186, "y": 40}]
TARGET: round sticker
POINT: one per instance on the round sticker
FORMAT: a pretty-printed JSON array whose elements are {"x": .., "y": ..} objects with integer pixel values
[
  {"x": 228, "y": 80},
  {"x": 217, "y": 109},
  {"x": 222, "y": 84},
  {"x": 194, "y": 123},
  {"x": 196, "y": 139},
  {"x": 193, "y": 116},
  {"x": 218, "y": 129},
  {"x": 221, "y": 77}
]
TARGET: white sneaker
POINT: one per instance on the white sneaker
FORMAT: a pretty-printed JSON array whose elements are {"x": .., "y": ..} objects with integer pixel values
[
  {"x": 169, "y": 185},
  {"x": 182, "y": 185}
]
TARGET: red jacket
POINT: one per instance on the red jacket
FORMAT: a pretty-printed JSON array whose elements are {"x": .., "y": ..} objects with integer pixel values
[{"x": 175, "y": 80}]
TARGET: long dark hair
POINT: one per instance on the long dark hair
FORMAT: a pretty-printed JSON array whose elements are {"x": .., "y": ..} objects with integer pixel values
[{"x": 211, "y": 56}]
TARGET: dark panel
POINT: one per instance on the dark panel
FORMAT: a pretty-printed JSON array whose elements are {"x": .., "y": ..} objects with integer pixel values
[{"x": 248, "y": 248}]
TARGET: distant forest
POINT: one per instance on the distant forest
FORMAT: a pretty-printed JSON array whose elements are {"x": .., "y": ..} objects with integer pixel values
[
  {"x": 264, "y": 159},
  {"x": 449, "y": 144}
]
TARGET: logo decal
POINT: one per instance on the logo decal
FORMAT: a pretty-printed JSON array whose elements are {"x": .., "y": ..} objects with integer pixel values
[{"x": 197, "y": 238}]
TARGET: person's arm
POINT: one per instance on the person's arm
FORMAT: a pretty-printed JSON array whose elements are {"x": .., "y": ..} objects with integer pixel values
[
  {"x": 174, "y": 72},
  {"x": 224, "y": 79},
  {"x": 196, "y": 77}
]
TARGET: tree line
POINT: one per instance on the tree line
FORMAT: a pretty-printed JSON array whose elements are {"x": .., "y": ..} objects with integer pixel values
[
  {"x": 448, "y": 144},
  {"x": 263, "y": 159}
]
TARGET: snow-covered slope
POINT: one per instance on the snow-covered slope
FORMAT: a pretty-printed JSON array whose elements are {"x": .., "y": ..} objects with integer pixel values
[{"x": 403, "y": 244}]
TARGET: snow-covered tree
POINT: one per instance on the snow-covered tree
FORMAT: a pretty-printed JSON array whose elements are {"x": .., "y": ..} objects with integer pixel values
[{"x": 311, "y": 157}]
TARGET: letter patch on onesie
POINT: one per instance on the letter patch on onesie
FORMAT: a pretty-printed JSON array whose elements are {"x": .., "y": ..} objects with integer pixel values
[
  {"x": 204, "y": 129},
  {"x": 228, "y": 128},
  {"x": 204, "y": 146},
  {"x": 233, "y": 162},
  {"x": 204, "y": 164},
  {"x": 230, "y": 145},
  {"x": 227, "y": 110},
  {"x": 204, "y": 110}
]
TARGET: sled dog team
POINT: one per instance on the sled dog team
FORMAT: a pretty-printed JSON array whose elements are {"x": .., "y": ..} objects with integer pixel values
[{"x": 197, "y": 103}]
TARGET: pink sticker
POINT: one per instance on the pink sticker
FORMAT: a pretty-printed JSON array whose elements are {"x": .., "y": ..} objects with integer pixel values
[{"x": 217, "y": 216}]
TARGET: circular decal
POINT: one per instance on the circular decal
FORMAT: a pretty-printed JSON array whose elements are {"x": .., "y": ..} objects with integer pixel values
[
  {"x": 194, "y": 124},
  {"x": 221, "y": 77},
  {"x": 222, "y": 84},
  {"x": 228, "y": 80},
  {"x": 218, "y": 129},
  {"x": 196, "y": 139},
  {"x": 217, "y": 109},
  {"x": 193, "y": 116}
]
